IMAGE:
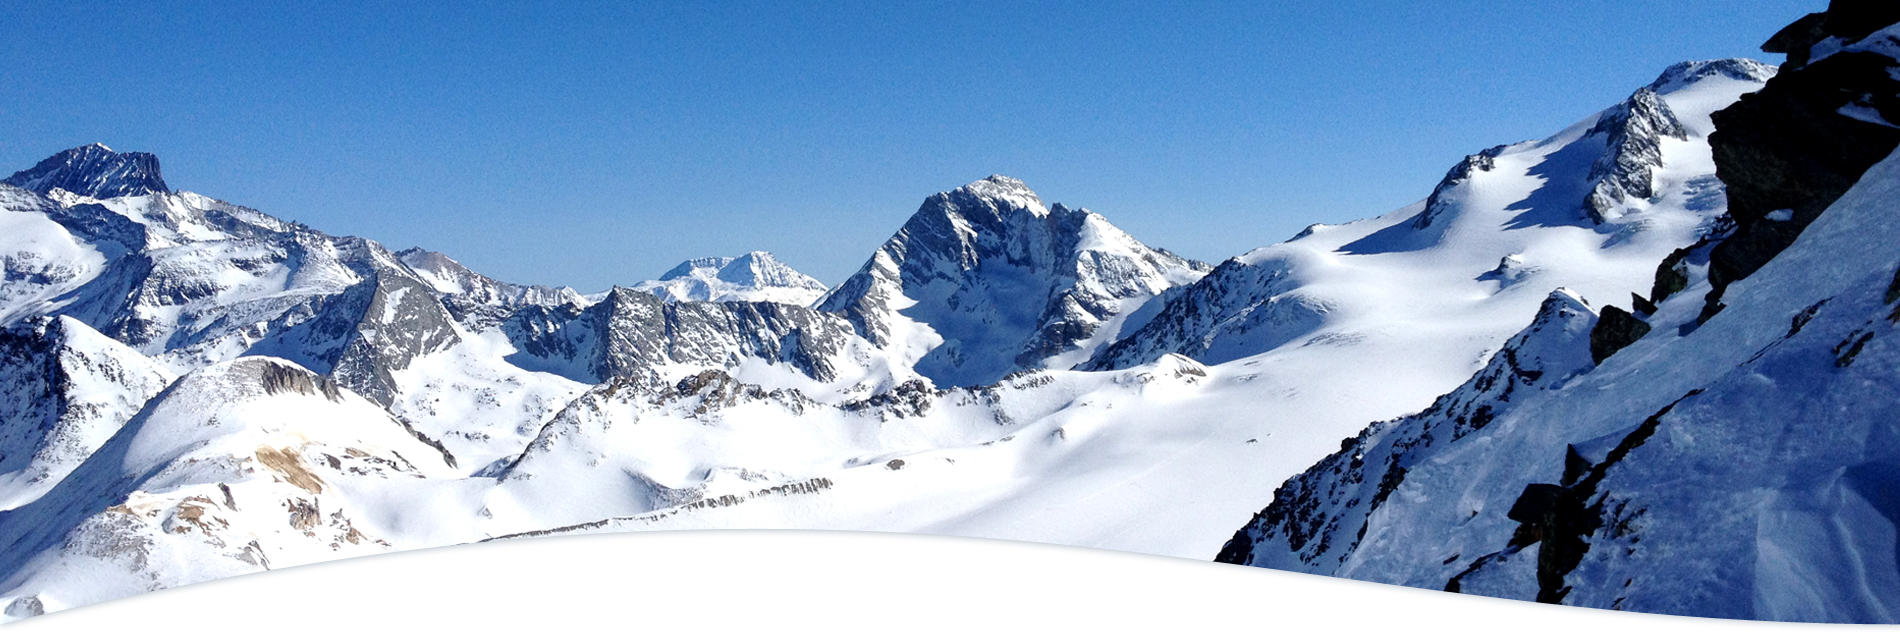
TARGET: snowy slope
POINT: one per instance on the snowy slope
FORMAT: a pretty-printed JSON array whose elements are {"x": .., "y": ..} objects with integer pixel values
[
  {"x": 754, "y": 277},
  {"x": 42, "y": 260},
  {"x": 1505, "y": 227},
  {"x": 1733, "y": 454},
  {"x": 64, "y": 390},
  {"x": 1711, "y": 474},
  {"x": 478, "y": 301},
  {"x": 241, "y": 466}
]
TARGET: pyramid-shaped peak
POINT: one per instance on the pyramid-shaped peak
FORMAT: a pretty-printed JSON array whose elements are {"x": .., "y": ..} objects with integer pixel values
[{"x": 96, "y": 171}]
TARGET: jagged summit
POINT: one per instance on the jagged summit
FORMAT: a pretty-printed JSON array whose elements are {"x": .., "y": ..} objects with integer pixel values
[
  {"x": 95, "y": 171},
  {"x": 984, "y": 280},
  {"x": 996, "y": 192},
  {"x": 1627, "y": 170}
]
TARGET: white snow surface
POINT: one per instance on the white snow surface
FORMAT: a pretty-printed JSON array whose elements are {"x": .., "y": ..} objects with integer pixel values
[{"x": 754, "y": 277}]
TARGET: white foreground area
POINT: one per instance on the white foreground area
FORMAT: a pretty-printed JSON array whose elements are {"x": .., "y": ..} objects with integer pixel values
[{"x": 776, "y": 582}]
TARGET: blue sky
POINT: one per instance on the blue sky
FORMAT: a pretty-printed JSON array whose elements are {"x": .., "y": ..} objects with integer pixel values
[{"x": 596, "y": 144}]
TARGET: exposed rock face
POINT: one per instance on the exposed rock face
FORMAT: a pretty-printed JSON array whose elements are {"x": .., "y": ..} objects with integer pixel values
[
  {"x": 636, "y": 334},
  {"x": 1318, "y": 518},
  {"x": 999, "y": 283},
  {"x": 192, "y": 281},
  {"x": 368, "y": 331},
  {"x": 95, "y": 171},
  {"x": 1435, "y": 205},
  {"x": 1634, "y": 132},
  {"x": 64, "y": 390},
  {"x": 1615, "y": 329},
  {"x": 1736, "y": 467},
  {"x": 1807, "y": 136},
  {"x": 1238, "y": 309}
]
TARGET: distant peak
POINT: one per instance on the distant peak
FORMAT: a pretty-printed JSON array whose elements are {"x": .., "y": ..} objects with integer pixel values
[
  {"x": 1684, "y": 74},
  {"x": 755, "y": 268},
  {"x": 96, "y": 171},
  {"x": 689, "y": 267}
]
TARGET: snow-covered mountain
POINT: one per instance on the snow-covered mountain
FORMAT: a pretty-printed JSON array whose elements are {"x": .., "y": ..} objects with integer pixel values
[
  {"x": 64, "y": 390},
  {"x": 196, "y": 389},
  {"x": 237, "y": 467},
  {"x": 478, "y": 301},
  {"x": 1728, "y": 449},
  {"x": 192, "y": 281},
  {"x": 754, "y": 277},
  {"x": 635, "y": 334},
  {"x": 1593, "y": 208},
  {"x": 984, "y": 281}
]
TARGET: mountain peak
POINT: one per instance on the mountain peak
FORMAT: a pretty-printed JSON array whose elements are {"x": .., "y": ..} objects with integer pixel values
[
  {"x": 690, "y": 267},
  {"x": 997, "y": 188},
  {"x": 1684, "y": 74},
  {"x": 755, "y": 276},
  {"x": 96, "y": 171}
]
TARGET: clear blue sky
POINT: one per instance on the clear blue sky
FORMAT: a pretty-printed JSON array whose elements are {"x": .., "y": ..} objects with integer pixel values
[{"x": 602, "y": 143}]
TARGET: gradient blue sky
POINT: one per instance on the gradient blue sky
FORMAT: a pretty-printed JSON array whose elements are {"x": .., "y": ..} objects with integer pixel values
[{"x": 596, "y": 144}]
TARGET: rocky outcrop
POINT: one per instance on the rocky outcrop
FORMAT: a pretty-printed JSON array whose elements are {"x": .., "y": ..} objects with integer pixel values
[
  {"x": 1318, "y": 518},
  {"x": 635, "y": 334},
  {"x": 1615, "y": 330},
  {"x": 1792, "y": 149},
  {"x": 1633, "y": 132},
  {"x": 1436, "y": 204},
  {"x": 64, "y": 390}
]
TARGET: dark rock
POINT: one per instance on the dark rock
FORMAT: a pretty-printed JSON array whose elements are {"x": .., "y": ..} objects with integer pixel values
[
  {"x": 1634, "y": 132},
  {"x": 1615, "y": 329},
  {"x": 1788, "y": 147}
]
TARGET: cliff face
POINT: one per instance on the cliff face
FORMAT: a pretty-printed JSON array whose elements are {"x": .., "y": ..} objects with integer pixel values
[{"x": 1792, "y": 149}]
